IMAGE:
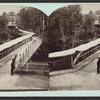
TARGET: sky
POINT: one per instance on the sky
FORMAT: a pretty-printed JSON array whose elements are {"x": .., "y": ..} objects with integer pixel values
[
  {"x": 48, "y": 8},
  {"x": 9, "y": 9},
  {"x": 88, "y": 7}
]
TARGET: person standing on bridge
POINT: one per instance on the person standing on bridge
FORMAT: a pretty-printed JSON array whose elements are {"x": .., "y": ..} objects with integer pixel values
[
  {"x": 13, "y": 65},
  {"x": 98, "y": 65}
]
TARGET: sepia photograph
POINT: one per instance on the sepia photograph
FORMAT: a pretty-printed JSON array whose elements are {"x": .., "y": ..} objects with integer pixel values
[
  {"x": 50, "y": 50},
  {"x": 74, "y": 57},
  {"x": 23, "y": 55}
]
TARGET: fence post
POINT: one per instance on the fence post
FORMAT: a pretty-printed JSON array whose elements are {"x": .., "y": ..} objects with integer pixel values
[
  {"x": 27, "y": 68},
  {"x": 72, "y": 61}
]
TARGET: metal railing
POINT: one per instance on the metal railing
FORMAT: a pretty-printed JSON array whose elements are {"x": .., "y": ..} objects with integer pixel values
[
  {"x": 13, "y": 48},
  {"x": 28, "y": 51},
  {"x": 88, "y": 53},
  {"x": 35, "y": 67},
  {"x": 65, "y": 62}
]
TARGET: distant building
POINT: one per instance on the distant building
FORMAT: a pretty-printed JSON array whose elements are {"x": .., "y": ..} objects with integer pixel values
[
  {"x": 97, "y": 19},
  {"x": 13, "y": 19}
]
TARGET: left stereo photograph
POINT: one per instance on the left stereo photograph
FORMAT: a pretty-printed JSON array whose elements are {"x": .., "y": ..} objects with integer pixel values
[{"x": 23, "y": 50}]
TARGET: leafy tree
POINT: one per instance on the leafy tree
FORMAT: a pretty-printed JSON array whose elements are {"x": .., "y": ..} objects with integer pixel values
[
  {"x": 31, "y": 18},
  {"x": 69, "y": 28},
  {"x": 89, "y": 29},
  {"x": 65, "y": 26},
  {"x": 6, "y": 34},
  {"x": 3, "y": 29}
]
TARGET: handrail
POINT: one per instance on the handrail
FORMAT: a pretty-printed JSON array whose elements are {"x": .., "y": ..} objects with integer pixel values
[
  {"x": 88, "y": 53},
  {"x": 65, "y": 62},
  {"x": 27, "y": 55}
]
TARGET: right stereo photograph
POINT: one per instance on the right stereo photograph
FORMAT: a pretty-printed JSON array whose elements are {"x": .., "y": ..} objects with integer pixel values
[{"x": 74, "y": 48}]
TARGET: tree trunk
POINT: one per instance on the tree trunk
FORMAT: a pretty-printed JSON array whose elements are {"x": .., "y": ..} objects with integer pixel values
[{"x": 63, "y": 35}]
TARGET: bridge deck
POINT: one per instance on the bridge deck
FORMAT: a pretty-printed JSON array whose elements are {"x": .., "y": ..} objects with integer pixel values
[{"x": 17, "y": 81}]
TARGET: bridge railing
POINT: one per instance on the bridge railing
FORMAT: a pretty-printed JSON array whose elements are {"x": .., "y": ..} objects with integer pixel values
[
  {"x": 88, "y": 53},
  {"x": 27, "y": 52},
  {"x": 35, "y": 67},
  {"x": 9, "y": 50},
  {"x": 65, "y": 62}
]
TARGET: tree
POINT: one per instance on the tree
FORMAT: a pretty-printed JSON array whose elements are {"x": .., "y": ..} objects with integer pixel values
[
  {"x": 3, "y": 28},
  {"x": 65, "y": 26},
  {"x": 88, "y": 27},
  {"x": 6, "y": 34},
  {"x": 31, "y": 18}
]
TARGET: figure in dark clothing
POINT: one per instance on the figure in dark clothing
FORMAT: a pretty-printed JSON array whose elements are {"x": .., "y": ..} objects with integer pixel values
[
  {"x": 13, "y": 65},
  {"x": 98, "y": 65}
]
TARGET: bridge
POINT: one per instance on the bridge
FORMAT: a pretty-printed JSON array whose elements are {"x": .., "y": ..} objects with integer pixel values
[
  {"x": 82, "y": 62},
  {"x": 22, "y": 48},
  {"x": 83, "y": 77},
  {"x": 28, "y": 44}
]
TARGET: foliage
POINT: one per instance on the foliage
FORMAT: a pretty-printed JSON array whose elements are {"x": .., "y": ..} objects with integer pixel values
[
  {"x": 69, "y": 28},
  {"x": 65, "y": 26},
  {"x": 3, "y": 29},
  {"x": 6, "y": 34},
  {"x": 89, "y": 29},
  {"x": 31, "y": 18}
]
